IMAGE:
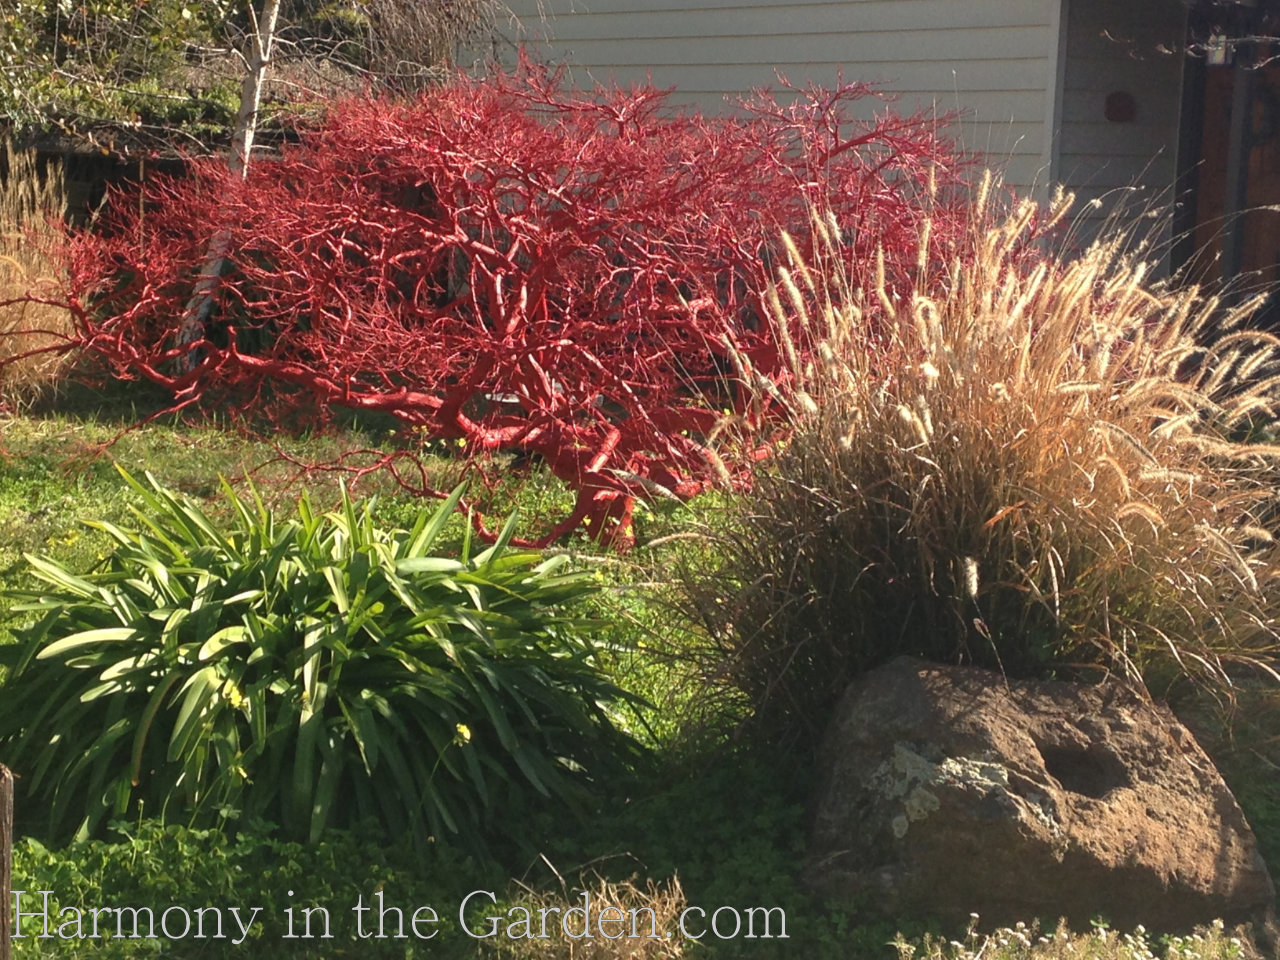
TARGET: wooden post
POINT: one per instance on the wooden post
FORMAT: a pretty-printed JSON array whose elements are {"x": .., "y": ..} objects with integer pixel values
[{"x": 6, "y": 858}]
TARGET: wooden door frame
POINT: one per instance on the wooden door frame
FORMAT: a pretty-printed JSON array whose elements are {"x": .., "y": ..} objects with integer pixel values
[{"x": 1241, "y": 19}]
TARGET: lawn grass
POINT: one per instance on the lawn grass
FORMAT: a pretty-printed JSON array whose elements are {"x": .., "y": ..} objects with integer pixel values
[{"x": 57, "y": 468}]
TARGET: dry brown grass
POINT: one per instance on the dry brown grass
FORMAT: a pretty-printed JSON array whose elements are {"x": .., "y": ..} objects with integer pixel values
[
  {"x": 1035, "y": 467},
  {"x": 657, "y": 910},
  {"x": 27, "y": 202}
]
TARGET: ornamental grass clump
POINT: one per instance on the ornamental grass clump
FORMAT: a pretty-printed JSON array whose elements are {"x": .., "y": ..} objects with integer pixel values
[
  {"x": 315, "y": 671},
  {"x": 31, "y": 329},
  {"x": 1044, "y": 467}
]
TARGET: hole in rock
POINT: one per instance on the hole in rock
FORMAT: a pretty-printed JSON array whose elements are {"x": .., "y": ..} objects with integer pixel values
[{"x": 1082, "y": 769}]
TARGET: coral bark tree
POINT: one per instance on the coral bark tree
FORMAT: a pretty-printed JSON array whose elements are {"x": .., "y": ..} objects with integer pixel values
[{"x": 509, "y": 265}]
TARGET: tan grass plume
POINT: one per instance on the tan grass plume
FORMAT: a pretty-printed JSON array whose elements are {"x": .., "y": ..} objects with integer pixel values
[
  {"x": 29, "y": 201},
  {"x": 1042, "y": 465}
]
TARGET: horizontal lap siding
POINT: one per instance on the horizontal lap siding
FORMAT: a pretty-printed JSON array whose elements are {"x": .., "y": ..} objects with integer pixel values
[
  {"x": 991, "y": 59},
  {"x": 1121, "y": 48}
]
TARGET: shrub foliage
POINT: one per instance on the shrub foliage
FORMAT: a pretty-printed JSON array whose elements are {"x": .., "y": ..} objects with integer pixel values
[
  {"x": 313, "y": 672},
  {"x": 507, "y": 265},
  {"x": 1032, "y": 467}
]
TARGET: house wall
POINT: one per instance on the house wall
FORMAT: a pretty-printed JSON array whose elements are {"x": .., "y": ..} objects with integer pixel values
[
  {"x": 996, "y": 59},
  {"x": 1134, "y": 48}
]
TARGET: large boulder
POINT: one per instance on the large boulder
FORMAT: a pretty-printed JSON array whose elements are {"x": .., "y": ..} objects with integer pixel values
[{"x": 948, "y": 790}]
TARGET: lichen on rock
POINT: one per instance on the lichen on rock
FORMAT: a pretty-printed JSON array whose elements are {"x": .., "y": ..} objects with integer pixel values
[{"x": 948, "y": 790}]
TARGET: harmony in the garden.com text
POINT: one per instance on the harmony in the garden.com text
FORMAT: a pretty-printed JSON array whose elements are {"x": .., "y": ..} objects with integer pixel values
[{"x": 36, "y": 915}]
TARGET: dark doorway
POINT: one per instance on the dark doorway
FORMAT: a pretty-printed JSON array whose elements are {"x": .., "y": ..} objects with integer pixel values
[{"x": 1229, "y": 152}]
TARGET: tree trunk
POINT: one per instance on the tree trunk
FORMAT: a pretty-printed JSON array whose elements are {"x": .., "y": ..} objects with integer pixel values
[
  {"x": 251, "y": 89},
  {"x": 257, "y": 64},
  {"x": 6, "y": 859}
]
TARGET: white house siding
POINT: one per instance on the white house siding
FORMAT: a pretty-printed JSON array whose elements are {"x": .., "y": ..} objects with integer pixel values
[
  {"x": 995, "y": 59},
  {"x": 1135, "y": 48}
]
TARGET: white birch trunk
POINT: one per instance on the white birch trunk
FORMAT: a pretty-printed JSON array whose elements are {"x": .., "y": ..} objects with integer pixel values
[
  {"x": 251, "y": 89},
  {"x": 257, "y": 64}
]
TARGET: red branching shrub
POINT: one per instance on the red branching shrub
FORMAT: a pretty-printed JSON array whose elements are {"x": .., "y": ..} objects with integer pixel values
[{"x": 514, "y": 266}]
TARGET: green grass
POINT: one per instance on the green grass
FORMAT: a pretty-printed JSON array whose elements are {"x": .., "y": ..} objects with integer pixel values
[
  {"x": 148, "y": 863},
  {"x": 58, "y": 470}
]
